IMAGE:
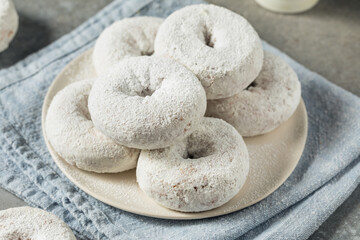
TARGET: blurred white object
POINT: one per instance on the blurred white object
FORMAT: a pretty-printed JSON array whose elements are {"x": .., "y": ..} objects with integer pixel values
[
  {"x": 287, "y": 6},
  {"x": 9, "y": 22}
]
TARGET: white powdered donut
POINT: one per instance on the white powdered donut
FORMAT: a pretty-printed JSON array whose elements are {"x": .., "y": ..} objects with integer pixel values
[
  {"x": 219, "y": 46},
  {"x": 147, "y": 102},
  {"x": 202, "y": 172},
  {"x": 73, "y": 136},
  {"x": 32, "y": 223},
  {"x": 269, "y": 101},
  {"x": 130, "y": 37},
  {"x": 9, "y": 22}
]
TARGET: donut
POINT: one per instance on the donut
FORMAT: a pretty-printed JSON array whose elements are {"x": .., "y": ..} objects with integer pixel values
[
  {"x": 219, "y": 46},
  {"x": 73, "y": 136},
  {"x": 32, "y": 223},
  {"x": 9, "y": 22},
  {"x": 129, "y": 37},
  {"x": 202, "y": 172},
  {"x": 266, "y": 103},
  {"x": 147, "y": 102}
]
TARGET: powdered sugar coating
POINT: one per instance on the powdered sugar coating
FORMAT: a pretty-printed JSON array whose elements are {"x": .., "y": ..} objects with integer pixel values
[
  {"x": 9, "y": 22},
  {"x": 147, "y": 102},
  {"x": 32, "y": 223},
  {"x": 202, "y": 172},
  {"x": 269, "y": 101},
  {"x": 219, "y": 46},
  {"x": 73, "y": 136},
  {"x": 129, "y": 37}
]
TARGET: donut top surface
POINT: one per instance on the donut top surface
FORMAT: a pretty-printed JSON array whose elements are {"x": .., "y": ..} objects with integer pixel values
[
  {"x": 4, "y": 6},
  {"x": 32, "y": 223},
  {"x": 129, "y": 37},
  {"x": 9, "y": 21},
  {"x": 219, "y": 46},
  {"x": 147, "y": 102}
]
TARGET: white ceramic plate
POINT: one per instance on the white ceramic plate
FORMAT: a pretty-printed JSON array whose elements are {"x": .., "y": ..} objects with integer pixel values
[{"x": 273, "y": 157}]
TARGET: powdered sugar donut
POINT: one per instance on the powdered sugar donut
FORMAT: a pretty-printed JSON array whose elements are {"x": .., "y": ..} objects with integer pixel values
[
  {"x": 129, "y": 37},
  {"x": 219, "y": 46},
  {"x": 73, "y": 136},
  {"x": 269, "y": 101},
  {"x": 202, "y": 172},
  {"x": 32, "y": 223},
  {"x": 9, "y": 22},
  {"x": 147, "y": 102}
]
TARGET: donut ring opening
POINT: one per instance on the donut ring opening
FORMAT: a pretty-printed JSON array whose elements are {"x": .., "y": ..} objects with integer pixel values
[
  {"x": 196, "y": 149},
  {"x": 251, "y": 85},
  {"x": 209, "y": 38}
]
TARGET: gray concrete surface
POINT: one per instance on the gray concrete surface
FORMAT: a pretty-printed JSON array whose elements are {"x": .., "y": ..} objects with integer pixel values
[{"x": 325, "y": 39}]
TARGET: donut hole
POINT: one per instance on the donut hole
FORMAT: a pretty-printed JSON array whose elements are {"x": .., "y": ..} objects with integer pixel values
[
  {"x": 251, "y": 85},
  {"x": 147, "y": 53},
  {"x": 144, "y": 88},
  {"x": 141, "y": 91},
  {"x": 195, "y": 155},
  {"x": 83, "y": 109},
  {"x": 209, "y": 39},
  {"x": 85, "y": 113},
  {"x": 141, "y": 84},
  {"x": 198, "y": 147},
  {"x": 146, "y": 92}
]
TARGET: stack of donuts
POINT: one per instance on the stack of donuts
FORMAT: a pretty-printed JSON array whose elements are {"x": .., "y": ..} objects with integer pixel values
[{"x": 173, "y": 98}]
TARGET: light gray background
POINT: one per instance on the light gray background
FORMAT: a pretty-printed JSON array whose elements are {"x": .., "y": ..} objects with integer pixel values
[{"x": 325, "y": 39}]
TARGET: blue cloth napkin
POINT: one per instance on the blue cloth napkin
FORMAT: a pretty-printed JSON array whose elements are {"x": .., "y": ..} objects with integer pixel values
[{"x": 328, "y": 172}]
